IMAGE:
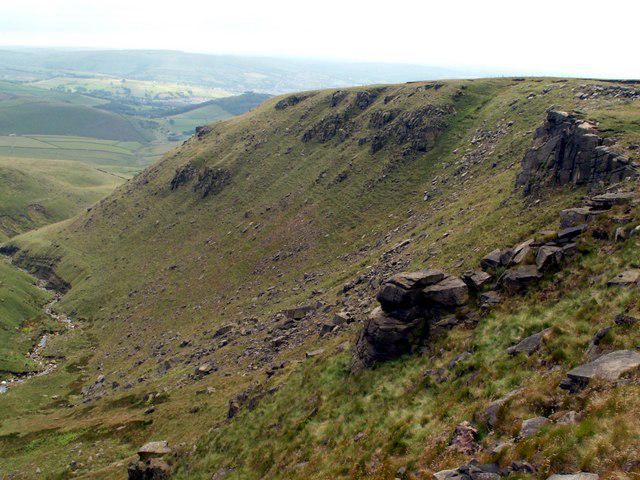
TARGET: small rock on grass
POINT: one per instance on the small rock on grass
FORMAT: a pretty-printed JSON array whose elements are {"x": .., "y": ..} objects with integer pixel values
[{"x": 532, "y": 426}]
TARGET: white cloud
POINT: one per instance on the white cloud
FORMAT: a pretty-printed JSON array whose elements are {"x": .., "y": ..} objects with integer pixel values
[{"x": 587, "y": 37}]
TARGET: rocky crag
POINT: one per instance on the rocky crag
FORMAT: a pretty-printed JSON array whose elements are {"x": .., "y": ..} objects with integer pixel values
[{"x": 570, "y": 151}]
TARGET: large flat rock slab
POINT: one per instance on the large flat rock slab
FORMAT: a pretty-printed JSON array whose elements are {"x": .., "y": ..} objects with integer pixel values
[
  {"x": 626, "y": 278},
  {"x": 575, "y": 476},
  {"x": 154, "y": 449},
  {"x": 609, "y": 367},
  {"x": 608, "y": 200}
]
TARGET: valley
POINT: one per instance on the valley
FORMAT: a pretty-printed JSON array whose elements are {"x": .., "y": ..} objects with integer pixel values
[{"x": 223, "y": 291}]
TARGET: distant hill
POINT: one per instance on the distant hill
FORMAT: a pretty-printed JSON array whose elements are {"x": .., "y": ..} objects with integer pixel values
[
  {"x": 24, "y": 114},
  {"x": 235, "y": 105},
  {"x": 227, "y": 72},
  {"x": 184, "y": 120}
]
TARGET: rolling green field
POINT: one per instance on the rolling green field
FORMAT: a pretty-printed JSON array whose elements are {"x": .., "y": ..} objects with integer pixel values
[
  {"x": 121, "y": 157},
  {"x": 302, "y": 206},
  {"x": 8, "y": 89},
  {"x": 24, "y": 115},
  {"x": 102, "y": 85}
]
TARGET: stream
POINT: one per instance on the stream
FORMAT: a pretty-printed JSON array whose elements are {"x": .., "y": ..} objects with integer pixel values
[{"x": 46, "y": 365}]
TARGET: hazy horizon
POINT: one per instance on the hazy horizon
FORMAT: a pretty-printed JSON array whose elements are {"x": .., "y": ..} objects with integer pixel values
[{"x": 494, "y": 37}]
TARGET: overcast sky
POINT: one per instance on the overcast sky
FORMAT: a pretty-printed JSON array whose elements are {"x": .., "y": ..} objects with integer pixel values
[{"x": 580, "y": 38}]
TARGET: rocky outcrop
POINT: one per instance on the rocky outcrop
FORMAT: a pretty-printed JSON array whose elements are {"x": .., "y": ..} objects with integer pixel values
[
  {"x": 464, "y": 439},
  {"x": 415, "y": 130},
  {"x": 517, "y": 279},
  {"x": 494, "y": 410},
  {"x": 211, "y": 181},
  {"x": 409, "y": 303},
  {"x": 290, "y": 101},
  {"x": 475, "y": 470},
  {"x": 327, "y": 128},
  {"x": 248, "y": 399},
  {"x": 202, "y": 131},
  {"x": 570, "y": 151},
  {"x": 182, "y": 176},
  {"x": 532, "y": 426}
]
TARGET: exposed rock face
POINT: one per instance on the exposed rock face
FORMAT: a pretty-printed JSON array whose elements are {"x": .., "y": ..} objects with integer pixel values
[
  {"x": 202, "y": 131},
  {"x": 328, "y": 128},
  {"x": 489, "y": 299},
  {"x": 567, "y": 150},
  {"x": 569, "y": 234},
  {"x": 476, "y": 280},
  {"x": 416, "y": 130},
  {"x": 298, "y": 313},
  {"x": 249, "y": 399},
  {"x": 548, "y": 256},
  {"x": 385, "y": 338},
  {"x": 413, "y": 303},
  {"x": 492, "y": 260},
  {"x": 152, "y": 469},
  {"x": 608, "y": 200},
  {"x": 450, "y": 292},
  {"x": 154, "y": 449},
  {"x": 572, "y": 217},
  {"x": 491, "y": 415},
  {"x": 475, "y": 471},
  {"x": 211, "y": 181},
  {"x": 208, "y": 180},
  {"x": 183, "y": 175}
]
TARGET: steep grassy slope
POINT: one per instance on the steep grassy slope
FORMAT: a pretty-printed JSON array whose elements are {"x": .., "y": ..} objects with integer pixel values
[
  {"x": 324, "y": 423},
  {"x": 283, "y": 207},
  {"x": 36, "y": 192},
  {"x": 20, "y": 318}
]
